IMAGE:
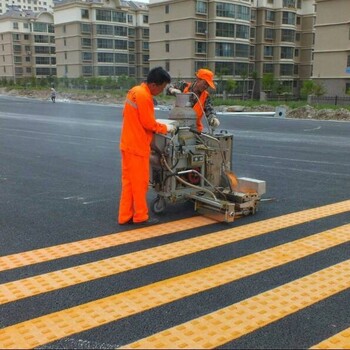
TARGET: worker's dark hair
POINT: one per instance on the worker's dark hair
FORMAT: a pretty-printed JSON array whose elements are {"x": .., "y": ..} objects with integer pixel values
[{"x": 158, "y": 76}]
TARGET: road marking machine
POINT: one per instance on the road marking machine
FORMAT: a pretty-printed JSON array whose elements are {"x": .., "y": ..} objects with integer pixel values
[{"x": 189, "y": 165}]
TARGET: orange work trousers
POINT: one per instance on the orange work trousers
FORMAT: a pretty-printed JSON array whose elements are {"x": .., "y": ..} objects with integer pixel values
[{"x": 135, "y": 179}]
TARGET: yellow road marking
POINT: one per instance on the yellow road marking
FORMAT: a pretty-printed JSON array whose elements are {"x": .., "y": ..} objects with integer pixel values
[
  {"x": 234, "y": 321},
  {"x": 48, "y": 328},
  {"x": 337, "y": 341},
  {"x": 112, "y": 240},
  {"x": 88, "y": 245},
  {"x": 31, "y": 286}
]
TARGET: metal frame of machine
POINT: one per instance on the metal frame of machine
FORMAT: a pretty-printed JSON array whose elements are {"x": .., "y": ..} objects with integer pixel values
[{"x": 189, "y": 165}]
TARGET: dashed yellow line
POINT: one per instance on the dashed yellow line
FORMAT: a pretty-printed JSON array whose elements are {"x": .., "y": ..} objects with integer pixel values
[
  {"x": 337, "y": 341},
  {"x": 112, "y": 240},
  {"x": 48, "y": 328},
  {"x": 88, "y": 245},
  {"x": 234, "y": 321}
]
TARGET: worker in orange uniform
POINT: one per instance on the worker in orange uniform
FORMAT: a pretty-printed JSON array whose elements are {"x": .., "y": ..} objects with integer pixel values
[
  {"x": 139, "y": 125},
  {"x": 200, "y": 102}
]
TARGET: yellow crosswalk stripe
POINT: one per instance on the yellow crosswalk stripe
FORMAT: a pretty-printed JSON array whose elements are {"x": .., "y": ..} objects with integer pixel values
[
  {"x": 48, "y": 328},
  {"x": 89, "y": 245},
  {"x": 112, "y": 240},
  {"x": 31, "y": 286},
  {"x": 234, "y": 321},
  {"x": 337, "y": 341}
]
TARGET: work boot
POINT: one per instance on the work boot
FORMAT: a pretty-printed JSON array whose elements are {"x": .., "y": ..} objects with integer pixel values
[
  {"x": 129, "y": 222},
  {"x": 150, "y": 221}
]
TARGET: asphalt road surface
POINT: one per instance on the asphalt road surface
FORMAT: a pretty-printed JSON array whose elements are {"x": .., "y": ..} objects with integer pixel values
[{"x": 71, "y": 277}]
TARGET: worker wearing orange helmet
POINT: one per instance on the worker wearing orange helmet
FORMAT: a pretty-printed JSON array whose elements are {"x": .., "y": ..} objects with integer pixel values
[
  {"x": 139, "y": 125},
  {"x": 200, "y": 102}
]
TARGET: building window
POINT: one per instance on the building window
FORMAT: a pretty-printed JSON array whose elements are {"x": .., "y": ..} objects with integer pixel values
[
  {"x": 104, "y": 43},
  {"x": 145, "y": 58},
  {"x": 268, "y": 51},
  {"x": 87, "y": 70},
  {"x": 166, "y": 8},
  {"x": 145, "y": 32},
  {"x": 167, "y": 47},
  {"x": 105, "y": 57},
  {"x": 289, "y": 3},
  {"x": 104, "y": 29},
  {"x": 201, "y": 7},
  {"x": 286, "y": 69},
  {"x": 287, "y": 52},
  {"x": 86, "y": 56},
  {"x": 288, "y": 35},
  {"x": 85, "y": 14},
  {"x": 17, "y": 48},
  {"x": 85, "y": 28},
  {"x": 269, "y": 34},
  {"x": 269, "y": 16},
  {"x": 268, "y": 68},
  {"x": 166, "y": 28},
  {"x": 131, "y": 31},
  {"x": 15, "y": 25},
  {"x": 242, "y": 31},
  {"x": 201, "y": 27},
  {"x": 85, "y": 42},
  {"x": 103, "y": 15},
  {"x": 288, "y": 18},
  {"x": 121, "y": 44},
  {"x": 145, "y": 45},
  {"x": 242, "y": 50},
  {"x": 225, "y": 10},
  {"x": 224, "y": 50},
  {"x": 121, "y": 58},
  {"x": 243, "y": 12},
  {"x": 145, "y": 19},
  {"x": 201, "y": 47},
  {"x": 226, "y": 30}
]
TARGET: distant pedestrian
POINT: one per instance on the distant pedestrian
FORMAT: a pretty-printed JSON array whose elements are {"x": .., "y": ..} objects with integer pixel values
[{"x": 53, "y": 95}]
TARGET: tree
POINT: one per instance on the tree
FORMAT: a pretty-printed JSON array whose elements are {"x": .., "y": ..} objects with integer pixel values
[
  {"x": 244, "y": 76},
  {"x": 230, "y": 85},
  {"x": 268, "y": 82},
  {"x": 254, "y": 76},
  {"x": 312, "y": 88}
]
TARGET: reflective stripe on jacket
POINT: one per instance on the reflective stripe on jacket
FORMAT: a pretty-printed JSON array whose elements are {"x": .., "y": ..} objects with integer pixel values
[{"x": 139, "y": 122}]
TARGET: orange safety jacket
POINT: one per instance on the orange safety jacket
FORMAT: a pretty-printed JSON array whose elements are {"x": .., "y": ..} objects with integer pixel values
[
  {"x": 139, "y": 122},
  {"x": 198, "y": 106}
]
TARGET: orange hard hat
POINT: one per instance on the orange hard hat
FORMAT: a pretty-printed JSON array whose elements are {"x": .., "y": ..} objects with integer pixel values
[{"x": 207, "y": 75}]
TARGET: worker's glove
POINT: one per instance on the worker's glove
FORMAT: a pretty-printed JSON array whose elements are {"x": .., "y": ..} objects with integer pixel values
[
  {"x": 213, "y": 121},
  {"x": 174, "y": 91},
  {"x": 171, "y": 128}
]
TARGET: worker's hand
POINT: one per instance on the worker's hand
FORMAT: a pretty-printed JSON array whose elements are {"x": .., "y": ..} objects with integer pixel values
[
  {"x": 174, "y": 91},
  {"x": 171, "y": 128},
  {"x": 214, "y": 122}
]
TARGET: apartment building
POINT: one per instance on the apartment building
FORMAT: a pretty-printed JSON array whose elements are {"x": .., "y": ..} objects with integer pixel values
[
  {"x": 32, "y": 5},
  {"x": 27, "y": 45},
  {"x": 332, "y": 46},
  {"x": 234, "y": 39},
  {"x": 106, "y": 38}
]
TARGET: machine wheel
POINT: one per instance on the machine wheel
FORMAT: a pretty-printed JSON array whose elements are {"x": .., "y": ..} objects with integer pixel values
[{"x": 158, "y": 205}]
